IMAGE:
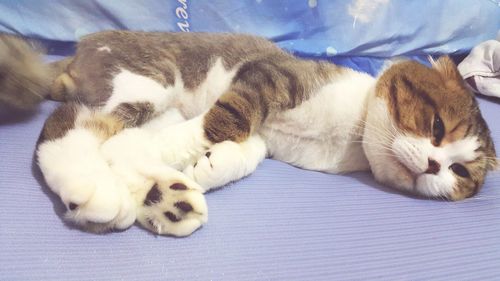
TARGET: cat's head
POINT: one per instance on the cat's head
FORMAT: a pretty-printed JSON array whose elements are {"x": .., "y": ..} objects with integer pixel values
[{"x": 424, "y": 132}]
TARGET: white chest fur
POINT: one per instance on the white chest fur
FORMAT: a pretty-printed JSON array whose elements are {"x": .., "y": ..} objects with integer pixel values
[{"x": 324, "y": 132}]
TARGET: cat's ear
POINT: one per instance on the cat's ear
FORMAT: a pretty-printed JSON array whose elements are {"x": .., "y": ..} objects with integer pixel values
[{"x": 447, "y": 68}]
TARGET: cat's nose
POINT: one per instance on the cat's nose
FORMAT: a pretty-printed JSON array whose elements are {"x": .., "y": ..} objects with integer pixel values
[{"x": 433, "y": 167}]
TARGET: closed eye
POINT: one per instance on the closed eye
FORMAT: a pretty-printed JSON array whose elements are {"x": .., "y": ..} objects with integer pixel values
[
  {"x": 459, "y": 170},
  {"x": 437, "y": 130}
]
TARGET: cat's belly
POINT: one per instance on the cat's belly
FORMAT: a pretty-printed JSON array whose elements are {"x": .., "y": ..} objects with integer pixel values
[
  {"x": 324, "y": 132},
  {"x": 334, "y": 155}
]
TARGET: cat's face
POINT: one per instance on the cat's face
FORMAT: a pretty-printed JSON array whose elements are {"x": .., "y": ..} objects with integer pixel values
[{"x": 424, "y": 132}]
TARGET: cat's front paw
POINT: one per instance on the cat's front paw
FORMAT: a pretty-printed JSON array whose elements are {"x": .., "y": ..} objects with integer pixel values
[
  {"x": 220, "y": 165},
  {"x": 226, "y": 162},
  {"x": 173, "y": 206}
]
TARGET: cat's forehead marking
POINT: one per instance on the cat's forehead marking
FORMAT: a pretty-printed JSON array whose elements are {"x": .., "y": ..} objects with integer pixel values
[{"x": 104, "y": 48}]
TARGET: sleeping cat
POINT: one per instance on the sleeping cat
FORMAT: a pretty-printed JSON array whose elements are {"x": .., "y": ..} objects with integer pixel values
[{"x": 146, "y": 106}]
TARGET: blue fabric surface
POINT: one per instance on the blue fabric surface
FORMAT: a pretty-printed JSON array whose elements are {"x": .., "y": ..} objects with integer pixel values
[
  {"x": 307, "y": 27},
  {"x": 281, "y": 223}
]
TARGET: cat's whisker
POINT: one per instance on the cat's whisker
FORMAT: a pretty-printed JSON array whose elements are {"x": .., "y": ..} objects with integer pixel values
[
  {"x": 364, "y": 125},
  {"x": 482, "y": 198},
  {"x": 390, "y": 155},
  {"x": 491, "y": 158},
  {"x": 372, "y": 142},
  {"x": 384, "y": 135},
  {"x": 378, "y": 144},
  {"x": 381, "y": 131}
]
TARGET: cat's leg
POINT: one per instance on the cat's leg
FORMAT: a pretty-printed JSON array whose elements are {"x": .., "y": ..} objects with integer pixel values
[
  {"x": 259, "y": 89},
  {"x": 167, "y": 202},
  {"x": 227, "y": 161},
  {"x": 136, "y": 98},
  {"x": 234, "y": 117},
  {"x": 70, "y": 159},
  {"x": 109, "y": 78}
]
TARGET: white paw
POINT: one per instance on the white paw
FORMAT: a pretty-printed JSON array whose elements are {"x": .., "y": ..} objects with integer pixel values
[
  {"x": 110, "y": 207},
  {"x": 76, "y": 171},
  {"x": 226, "y": 162},
  {"x": 181, "y": 144},
  {"x": 174, "y": 205},
  {"x": 223, "y": 163}
]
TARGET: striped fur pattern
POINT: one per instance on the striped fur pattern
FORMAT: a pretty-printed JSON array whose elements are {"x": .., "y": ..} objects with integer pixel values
[{"x": 150, "y": 105}]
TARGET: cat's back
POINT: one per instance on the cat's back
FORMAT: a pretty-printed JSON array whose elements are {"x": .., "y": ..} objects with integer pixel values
[
  {"x": 161, "y": 56},
  {"x": 183, "y": 47}
]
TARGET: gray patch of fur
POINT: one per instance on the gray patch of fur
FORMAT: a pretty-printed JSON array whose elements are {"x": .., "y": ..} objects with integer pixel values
[{"x": 24, "y": 78}]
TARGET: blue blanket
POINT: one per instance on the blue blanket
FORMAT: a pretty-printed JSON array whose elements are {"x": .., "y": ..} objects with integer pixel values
[{"x": 307, "y": 27}]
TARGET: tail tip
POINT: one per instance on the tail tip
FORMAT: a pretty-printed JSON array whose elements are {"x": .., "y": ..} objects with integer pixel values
[{"x": 24, "y": 78}]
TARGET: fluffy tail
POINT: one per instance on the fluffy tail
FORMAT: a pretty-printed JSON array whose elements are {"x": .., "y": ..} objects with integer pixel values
[{"x": 25, "y": 80}]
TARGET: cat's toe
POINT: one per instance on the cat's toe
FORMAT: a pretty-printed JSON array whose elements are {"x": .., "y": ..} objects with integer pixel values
[
  {"x": 223, "y": 163},
  {"x": 175, "y": 207}
]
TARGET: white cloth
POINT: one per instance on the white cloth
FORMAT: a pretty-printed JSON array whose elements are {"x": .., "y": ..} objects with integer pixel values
[{"x": 481, "y": 68}]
